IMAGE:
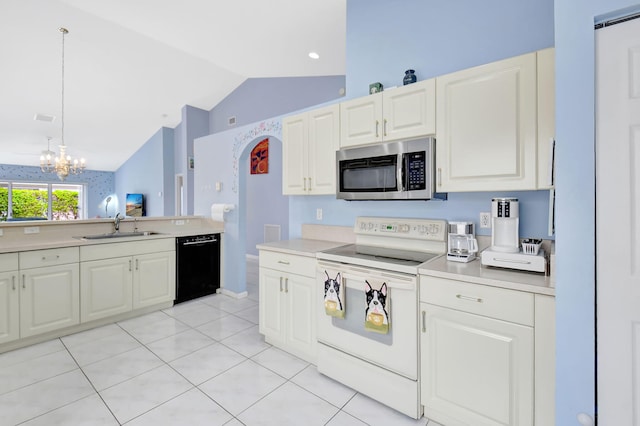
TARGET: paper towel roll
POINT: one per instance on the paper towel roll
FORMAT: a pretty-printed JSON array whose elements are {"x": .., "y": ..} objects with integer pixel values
[{"x": 218, "y": 211}]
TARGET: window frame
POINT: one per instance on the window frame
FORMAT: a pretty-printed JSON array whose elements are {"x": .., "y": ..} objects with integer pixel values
[{"x": 82, "y": 195}]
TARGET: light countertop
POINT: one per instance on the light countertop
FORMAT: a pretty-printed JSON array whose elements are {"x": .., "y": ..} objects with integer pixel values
[
  {"x": 301, "y": 247},
  {"x": 473, "y": 272}
]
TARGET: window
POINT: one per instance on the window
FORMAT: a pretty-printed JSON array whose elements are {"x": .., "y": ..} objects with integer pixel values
[{"x": 41, "y": 201}]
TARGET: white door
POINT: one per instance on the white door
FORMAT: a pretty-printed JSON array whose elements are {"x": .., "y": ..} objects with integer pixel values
[
  {"x": 49, "y": 299},
  {"x": 361, "y": 121},
  {"x": 154, "y": 279},
  {"x": 294, "y": 155},
  {"x": 324, "y": 137},
  {"x": 617, "y": 223},
  {"x": 9, "y": 312},
  {"x": 106, "y": 288},
  {"x": 271, "y": 309},
  {"x": 409, "y": 111},
  {"x": 300, "y": 294}
]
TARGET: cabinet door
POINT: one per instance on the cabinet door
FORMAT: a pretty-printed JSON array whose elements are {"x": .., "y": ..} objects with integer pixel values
[
  {"x": 106, "y": 288},
  {"x": 9, "y": 309},
  {"x": 324, "y": 134},
  {"x": 486, "y": 127},
  {"x": 361, "y": 121},
  {"x": 409, "y": 111},
  {"x": 294, "y": 155},
  {"x": 49, "y": 299},
  {"x": 154, "y": 279},
  {"x": 475, "y": 370},
  {"x": 546, "y": 116},
  {"x": 271, "y": 309},
  {"x": 301, "y": 316}
]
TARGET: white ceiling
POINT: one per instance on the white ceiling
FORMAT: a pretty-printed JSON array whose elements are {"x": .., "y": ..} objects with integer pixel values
[{"x": 131, "y": 65}]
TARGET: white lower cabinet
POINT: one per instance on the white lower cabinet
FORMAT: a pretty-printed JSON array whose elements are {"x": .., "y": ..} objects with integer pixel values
[
  {"x": 113, "y": 284},
  {"x": 486, "y": 354},
  {"x": 154, "y": 279},
  {"x": 49, "y": 299},
  {"x": 106, "y": 288},
  {"x": 9, "y": 298},
  {"x": 287, "y": 303}
]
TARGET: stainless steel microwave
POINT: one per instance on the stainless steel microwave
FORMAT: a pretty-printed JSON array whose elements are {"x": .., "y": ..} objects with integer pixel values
[{"x": 388, "y": 171}]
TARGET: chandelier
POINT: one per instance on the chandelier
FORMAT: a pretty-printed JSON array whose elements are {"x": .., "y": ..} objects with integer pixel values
[{"x": 62, "y": 165}]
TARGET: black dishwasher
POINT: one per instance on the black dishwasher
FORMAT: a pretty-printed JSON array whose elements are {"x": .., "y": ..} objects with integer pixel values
[{"x": 197, "y": 266}]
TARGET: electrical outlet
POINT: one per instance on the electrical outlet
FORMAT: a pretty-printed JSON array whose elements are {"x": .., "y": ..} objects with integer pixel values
[
  {"x": 319, "y": 214},
  {"x": 485, "y": 220}
]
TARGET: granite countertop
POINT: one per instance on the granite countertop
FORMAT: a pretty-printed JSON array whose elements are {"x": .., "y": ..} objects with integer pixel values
[
  {"x": 301, "y": 247},
  {"x": 474, "y": 272}
]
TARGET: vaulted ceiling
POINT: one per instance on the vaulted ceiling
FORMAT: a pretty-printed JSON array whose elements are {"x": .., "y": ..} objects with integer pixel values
[{"x": 131, "y": 65}]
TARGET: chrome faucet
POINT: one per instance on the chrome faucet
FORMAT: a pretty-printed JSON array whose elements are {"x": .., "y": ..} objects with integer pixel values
[{"x": 116, "y": 222}]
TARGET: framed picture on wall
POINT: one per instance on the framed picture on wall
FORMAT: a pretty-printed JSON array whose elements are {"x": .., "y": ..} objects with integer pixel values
[{"x": 260, "y": 158}]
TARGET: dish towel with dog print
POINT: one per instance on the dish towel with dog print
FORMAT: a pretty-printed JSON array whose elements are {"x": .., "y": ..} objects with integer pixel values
[
  {"x": 334, "y": 295},
  {"x": 377, "y": 313}
]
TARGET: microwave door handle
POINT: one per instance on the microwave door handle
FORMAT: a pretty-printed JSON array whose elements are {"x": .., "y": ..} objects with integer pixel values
[{"x": 401, "y": 184}]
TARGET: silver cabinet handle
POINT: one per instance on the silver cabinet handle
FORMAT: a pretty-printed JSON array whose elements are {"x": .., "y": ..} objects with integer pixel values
[
  {"x": 439, "y": 176},
  {"x": 50, "y": 258},
  {"x": 384, "y": 127},
  {"x": 470, "y": 298},
  {"x": 377, "y": 124},
  {"x": 129, "y": 265},
  {"x": 280, "y": 284},
  {"x": 24, "y": 285},
  {"x": 305, "y": 184},
  {"x": 283, "y": 262},
  {"x": 424, "y": 322},
  {"x": 137, "y": 260},
  {"x": 286, "y": 285},
  {"x": 13, "y": 282},
  {"x": 309, "y": 184}
]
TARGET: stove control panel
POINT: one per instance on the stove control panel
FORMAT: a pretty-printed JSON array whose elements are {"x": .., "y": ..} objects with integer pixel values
[{"x": 420, "y": 229}]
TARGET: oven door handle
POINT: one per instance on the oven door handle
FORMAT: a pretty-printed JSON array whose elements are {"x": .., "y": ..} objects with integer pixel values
[{"x": 391, "y": 280}]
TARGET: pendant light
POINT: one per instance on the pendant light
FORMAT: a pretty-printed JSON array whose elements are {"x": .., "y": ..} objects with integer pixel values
[{"x": 62, "y": 165}]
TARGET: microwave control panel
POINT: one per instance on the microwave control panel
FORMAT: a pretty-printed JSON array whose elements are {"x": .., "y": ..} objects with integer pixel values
[{"x": 415, "y": 171}]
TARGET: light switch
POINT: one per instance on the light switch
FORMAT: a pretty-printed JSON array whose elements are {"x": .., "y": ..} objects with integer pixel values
[{"x": 218, "y": 186}]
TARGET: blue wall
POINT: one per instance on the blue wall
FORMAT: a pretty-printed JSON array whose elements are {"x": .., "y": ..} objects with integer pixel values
[
  {"x": 99, "y": 184},
  {"x": 195, "y": 124},
  {"x": 264, "y": 201},
  {"x": 149, "y": 171},
  {"x": 260, "y": 98}
]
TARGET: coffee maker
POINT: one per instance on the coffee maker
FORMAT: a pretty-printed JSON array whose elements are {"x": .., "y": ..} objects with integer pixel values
[{"x": 462, "y": 244}]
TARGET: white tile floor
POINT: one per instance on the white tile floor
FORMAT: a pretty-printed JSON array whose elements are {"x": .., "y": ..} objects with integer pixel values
[{"x": 201, "y": 362}]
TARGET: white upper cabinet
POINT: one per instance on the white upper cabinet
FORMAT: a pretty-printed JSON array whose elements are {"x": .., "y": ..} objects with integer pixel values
[
  {"x": 402, "y": 113},
  {"x": 486, "y": 127},
  {"x": 309, "y": 144},
  {"x": 546, "y": 116}
]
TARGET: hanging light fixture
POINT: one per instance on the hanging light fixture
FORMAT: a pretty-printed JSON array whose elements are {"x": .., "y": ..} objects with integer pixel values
[{"x": 62, "y": 165}]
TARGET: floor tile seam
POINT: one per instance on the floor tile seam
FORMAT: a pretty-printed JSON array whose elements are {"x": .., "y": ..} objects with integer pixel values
[
  {"x": 34, "y": 358},
  {"x": 210, "y": 378},
  {"x": 157, "y": 406},
  {"x": 274, "y": 371},
  {"x": 113, "y": 356},
  {"x": 320, "y": 397},
  {"x": 128, "y": 379},
  {"x": 261, "y": 398},
  {"x": 66, "y": 405},
  {"x": 185, "y": 355},
  {"x": 248, "y": 357},
  {"x": 39, "y": 381}
]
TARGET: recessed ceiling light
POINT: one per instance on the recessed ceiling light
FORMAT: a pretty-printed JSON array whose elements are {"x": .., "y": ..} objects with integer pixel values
[{"x": 314, "y": 55}]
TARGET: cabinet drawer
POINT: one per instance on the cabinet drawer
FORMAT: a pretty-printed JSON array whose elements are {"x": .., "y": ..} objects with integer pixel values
[
  {"x": 51, "y": 257},
  {"x": 301, "y": 265},
  {"x": 128, "y": 248},
  {"x": 508, "y": 305},
  {"x": 8, "y": 262}
]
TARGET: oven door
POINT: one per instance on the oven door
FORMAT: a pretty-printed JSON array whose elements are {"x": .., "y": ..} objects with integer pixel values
[{"x": 396, "y": 349}]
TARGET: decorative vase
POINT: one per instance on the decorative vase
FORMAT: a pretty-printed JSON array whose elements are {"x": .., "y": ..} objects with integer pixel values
[{"x": 409, "y": 77}]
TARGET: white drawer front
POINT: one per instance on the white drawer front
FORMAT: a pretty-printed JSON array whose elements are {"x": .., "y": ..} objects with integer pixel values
[
  {"x": 301, "y": 265},
  {"x": 493, "y": 302},
  {"x": 51, "y": 257},
  {"x": 126, "y": 248},
  {"x": 8, "y": 262}
]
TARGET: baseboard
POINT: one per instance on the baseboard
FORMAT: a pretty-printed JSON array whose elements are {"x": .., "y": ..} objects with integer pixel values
[
  {"x": 233, "y": 294},
  {"x": 252, "y": 257}
]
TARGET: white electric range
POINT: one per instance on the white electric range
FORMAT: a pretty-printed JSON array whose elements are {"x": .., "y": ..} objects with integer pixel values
[{"x": 371, "y": 343}]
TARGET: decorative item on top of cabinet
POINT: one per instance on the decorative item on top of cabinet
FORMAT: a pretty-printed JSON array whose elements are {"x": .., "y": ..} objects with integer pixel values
[
  {"x": 409, "y": 77},
  {"x": 486, "y": 127},
  {"x": 309, "y": 144},
  {"x": 401, "y": 113}
]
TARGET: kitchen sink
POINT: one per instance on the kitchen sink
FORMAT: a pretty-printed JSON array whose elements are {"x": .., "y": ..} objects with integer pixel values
[{"x": 118, "y": 235}]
